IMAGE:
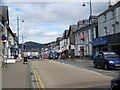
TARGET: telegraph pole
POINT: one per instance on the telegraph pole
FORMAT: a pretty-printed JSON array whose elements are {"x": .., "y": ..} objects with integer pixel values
[{"x": 18, "y": 32}]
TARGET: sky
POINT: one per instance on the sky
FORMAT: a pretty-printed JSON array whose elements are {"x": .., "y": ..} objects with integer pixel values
[{"x": 46, "y": 20}]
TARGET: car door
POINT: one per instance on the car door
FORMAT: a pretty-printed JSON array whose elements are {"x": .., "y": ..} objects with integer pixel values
[
  {"x": 96, "y": 59},
  {"x": 101, "y": 59}
]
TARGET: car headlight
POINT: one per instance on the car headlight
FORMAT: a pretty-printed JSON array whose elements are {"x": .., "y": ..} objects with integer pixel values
[{"x": 111, "y": 62}]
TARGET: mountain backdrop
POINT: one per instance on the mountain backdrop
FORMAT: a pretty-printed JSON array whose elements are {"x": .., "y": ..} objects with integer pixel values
[{"x": 34, "y": 45}]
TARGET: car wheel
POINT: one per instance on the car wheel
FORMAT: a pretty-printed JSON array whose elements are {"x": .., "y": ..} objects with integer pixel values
[
  {"x": 106, "y": 67},
  {"x": 94, "y": 65}
]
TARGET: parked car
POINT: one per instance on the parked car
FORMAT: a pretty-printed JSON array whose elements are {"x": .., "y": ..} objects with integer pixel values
[
  {"x": 53, "y": 55},
  {"x": 45, "y": 56},
  {"x": 107, "y": 60},
  {"x": 115, "y": 84},
  {"x": 30, "y": 57},
  {"x": 35, "y": 57}
]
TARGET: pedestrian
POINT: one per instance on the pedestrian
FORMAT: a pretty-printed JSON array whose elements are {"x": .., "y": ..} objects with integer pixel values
[
  {"x": 25, "y": 56},
  {"x": 19, "y": 58}
]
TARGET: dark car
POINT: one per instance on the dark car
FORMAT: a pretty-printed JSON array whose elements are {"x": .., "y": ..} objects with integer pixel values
[
  {"x": 50, "y": 55},
  {"x": 115, "y": 83},
  {"x": 107, "y": 60},
  {"x": 53, "y": 55},
  {"x": 30, "y": 57},
  {"x": 35, "y": 57}
]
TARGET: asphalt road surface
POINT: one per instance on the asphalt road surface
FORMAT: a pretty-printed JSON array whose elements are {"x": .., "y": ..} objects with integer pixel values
[
  {"x": 88, "y": 64},
  {"x": 60, "y": 75}
]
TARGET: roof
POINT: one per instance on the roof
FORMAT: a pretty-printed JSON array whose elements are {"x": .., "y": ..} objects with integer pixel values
[
  {"x": 65, "y": 35},
  {"x": 9, "y": 29},
  {"x": 72, "y": 29},
  {"x": 94, "y": 24},
  {"x": 111, "y": 8},
  {"x": 59, "y": 39}
]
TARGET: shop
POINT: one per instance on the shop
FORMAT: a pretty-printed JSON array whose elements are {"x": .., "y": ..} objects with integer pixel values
[
  {"x": 114, "y": 43},
  {"x": 100, "y": 44},
  {"x": 63, "y": 53}
]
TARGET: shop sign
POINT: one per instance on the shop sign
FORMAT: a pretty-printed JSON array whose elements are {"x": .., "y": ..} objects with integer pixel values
[
  {"x": 82, "y": 36},
  {"x": 100, "y": 41}
]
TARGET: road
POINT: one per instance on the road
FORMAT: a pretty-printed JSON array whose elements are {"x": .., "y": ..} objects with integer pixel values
[
  {"x": 57, "y": 74},
  {"x": 87, "y": 64}
]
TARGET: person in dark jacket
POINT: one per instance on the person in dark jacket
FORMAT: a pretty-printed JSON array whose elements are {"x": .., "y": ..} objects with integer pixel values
[{"x": 25, "y": 56}]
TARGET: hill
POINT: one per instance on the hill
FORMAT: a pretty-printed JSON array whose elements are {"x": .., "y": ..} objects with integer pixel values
[{"x": 35, "y": 46}]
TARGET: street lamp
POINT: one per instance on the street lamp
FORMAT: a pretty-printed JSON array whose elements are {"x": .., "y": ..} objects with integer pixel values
[
  {"x": 90, "y": 17},
  {"x": 90, "y": 22},
  {"x": 18, "y": 30}
]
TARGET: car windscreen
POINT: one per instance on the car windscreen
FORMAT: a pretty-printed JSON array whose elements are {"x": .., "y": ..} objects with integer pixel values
[{"x": 110, "y": 55}]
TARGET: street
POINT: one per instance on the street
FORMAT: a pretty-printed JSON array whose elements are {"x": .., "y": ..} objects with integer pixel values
[
  {"x": 69, "y": 74},
  {"x": 87, "y": 64},
  {"x": 66, "y": 44}
]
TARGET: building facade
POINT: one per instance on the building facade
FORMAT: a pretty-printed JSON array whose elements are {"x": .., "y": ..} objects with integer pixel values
[
  {"x": 83, "y": 37},
  {"x": 64, "y": 42},
  {"x": 71, "y": 40},
  {"x": 4, "y": 21},
  {"x": 109, "y": 30}
]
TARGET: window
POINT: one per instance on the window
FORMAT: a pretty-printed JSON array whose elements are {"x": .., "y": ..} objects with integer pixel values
[
  {"x": 100, "y": 55},
  {"x": 113, "y": 13},
  {"x": 113, "y": 29},
  {"x": 106, "y": 31},
  {"x": 87, "y": 36},
  {"x": 92, "y": 33},
  {"x": 105, "y": 18}
]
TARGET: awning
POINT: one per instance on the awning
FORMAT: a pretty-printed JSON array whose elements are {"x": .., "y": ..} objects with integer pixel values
[{"x": 62, "y": 50}]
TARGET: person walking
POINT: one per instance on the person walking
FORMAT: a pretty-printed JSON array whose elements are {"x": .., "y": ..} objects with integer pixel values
[{"x": 25, "y": 56}]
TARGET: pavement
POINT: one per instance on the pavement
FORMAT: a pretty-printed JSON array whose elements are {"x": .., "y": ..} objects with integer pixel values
[{"x": 16, "y": 75}]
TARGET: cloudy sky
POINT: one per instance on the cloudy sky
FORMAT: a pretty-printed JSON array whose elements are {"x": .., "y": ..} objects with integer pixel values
[{"x": 45, "y": 21}]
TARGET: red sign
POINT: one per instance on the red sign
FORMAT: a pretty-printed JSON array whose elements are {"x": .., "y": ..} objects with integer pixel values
[{"x": 82, "y": 36}]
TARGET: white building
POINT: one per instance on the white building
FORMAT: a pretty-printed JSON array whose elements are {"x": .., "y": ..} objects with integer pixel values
[
  {"x": 84, "y": 36},
  {"x": 109, "y": 30},
  {"x": 64, "y": 45}
]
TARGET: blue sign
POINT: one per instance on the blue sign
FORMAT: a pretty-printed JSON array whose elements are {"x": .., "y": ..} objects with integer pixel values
[{"x": 100, "y": 41}]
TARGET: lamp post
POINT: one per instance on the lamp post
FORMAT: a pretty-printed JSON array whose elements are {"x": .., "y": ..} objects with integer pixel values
[
  {"x": 23, "y": 44},
  {"x": 90, "y": 21},
  {"x": 18, "y": 30}
]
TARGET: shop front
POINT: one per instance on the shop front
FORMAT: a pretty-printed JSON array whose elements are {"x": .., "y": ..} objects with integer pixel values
[
  {"x": 114, "y": 43},
  {"x": 63, "y": 53},
  {"x": 100, "y": 44}
]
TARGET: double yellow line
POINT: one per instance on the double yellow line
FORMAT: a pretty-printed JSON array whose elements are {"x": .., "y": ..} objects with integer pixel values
[{"x": 38, "y": 80}]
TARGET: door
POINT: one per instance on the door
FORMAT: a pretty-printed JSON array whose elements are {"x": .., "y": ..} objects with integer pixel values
[{"x": 101, "y": 59}]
